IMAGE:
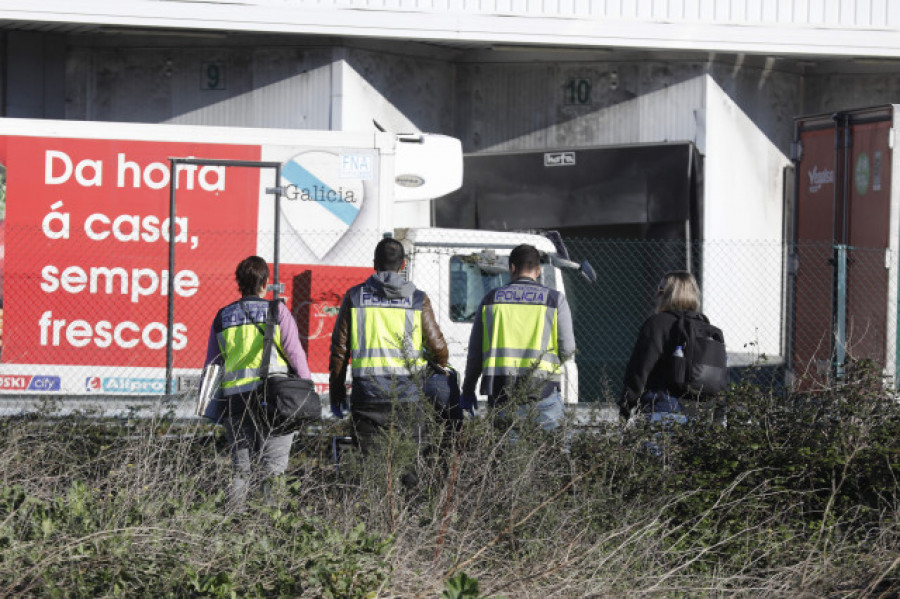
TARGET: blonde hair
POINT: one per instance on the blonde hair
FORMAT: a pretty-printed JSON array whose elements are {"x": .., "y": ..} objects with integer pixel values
[{"x": 678, "y": 290}]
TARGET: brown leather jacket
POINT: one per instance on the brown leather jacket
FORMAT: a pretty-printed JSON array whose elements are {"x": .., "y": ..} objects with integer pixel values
[{"x": 433, "y": 342}]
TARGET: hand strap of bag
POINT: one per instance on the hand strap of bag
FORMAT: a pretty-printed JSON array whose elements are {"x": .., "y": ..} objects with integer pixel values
[{"x": 268, "y": 338}]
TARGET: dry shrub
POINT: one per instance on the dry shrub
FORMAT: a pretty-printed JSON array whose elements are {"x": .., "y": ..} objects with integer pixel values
[{"x": 798, "y": 496}]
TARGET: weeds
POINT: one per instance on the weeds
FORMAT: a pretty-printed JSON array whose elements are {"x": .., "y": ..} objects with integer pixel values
[{"x": 797, "y": 495}]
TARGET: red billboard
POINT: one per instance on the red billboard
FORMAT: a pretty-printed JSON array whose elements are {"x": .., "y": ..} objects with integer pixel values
[{"x": 86, "y": 241}]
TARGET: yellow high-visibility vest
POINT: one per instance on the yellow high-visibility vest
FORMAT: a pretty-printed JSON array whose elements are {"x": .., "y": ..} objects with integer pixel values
[
  {"x": 520, "y": 335},
  {"x": 241, "y": 344},
  {"x": 386, "y": 337}
]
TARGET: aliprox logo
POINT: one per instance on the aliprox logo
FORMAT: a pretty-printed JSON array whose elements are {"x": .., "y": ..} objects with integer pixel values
[{"x": 124, "y": 384}]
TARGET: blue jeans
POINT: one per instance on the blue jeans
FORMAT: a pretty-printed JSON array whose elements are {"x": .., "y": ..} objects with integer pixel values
[
  {"x": 547, "y": 413},
  {"x": 659, "y": 406}
]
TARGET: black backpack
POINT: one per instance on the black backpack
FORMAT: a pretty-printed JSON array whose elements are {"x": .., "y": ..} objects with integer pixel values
[{"x": 698, "y": 363}]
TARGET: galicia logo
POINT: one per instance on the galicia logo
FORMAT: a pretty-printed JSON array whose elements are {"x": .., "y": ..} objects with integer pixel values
[
  {"x": 818, "y": 178},
  {"x": 325, "y": 193},
  {"x": 317, "y": 193},
  {"x": 93, "y": 384}
]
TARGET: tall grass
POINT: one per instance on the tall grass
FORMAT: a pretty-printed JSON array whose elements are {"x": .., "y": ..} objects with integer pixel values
[{"x": 798, "y": 496}]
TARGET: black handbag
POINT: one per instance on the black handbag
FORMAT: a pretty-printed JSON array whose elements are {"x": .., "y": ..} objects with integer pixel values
[{"x": 284, "y": 402}]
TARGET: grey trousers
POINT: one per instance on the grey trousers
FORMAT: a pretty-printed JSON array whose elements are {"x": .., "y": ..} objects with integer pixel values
[{"x": 253, "y": 447}]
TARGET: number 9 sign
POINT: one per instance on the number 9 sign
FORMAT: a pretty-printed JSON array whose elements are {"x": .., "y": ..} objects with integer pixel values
[{"x": 212, "y": 76}]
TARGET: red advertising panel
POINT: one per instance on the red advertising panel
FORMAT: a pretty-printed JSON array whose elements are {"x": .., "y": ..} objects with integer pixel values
[
  {"x": 314, "y": 294},
  {"x": 87, "y": 248}
]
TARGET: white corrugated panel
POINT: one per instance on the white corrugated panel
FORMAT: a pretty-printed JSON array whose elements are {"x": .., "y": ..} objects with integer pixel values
[
  {"x": 253, "y": 87},
  {"x": 646, "y": 107},
  {"x": 847, "y": 27},
  {"x": 837, "y": 13},
  {"x": 298, "y": 102}
]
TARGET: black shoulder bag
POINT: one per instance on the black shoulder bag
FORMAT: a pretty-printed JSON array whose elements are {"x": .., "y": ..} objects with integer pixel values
[{"x": 284, "y": 401}]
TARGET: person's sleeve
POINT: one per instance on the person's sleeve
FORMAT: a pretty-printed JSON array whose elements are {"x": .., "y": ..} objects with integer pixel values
[
  {"x": 564, "y": 330},
  {"x": 290, "y": 341},
  {"x": 433, "y": 338},
  {"x": 213, "y": 352},
  {"x": 474, "y": 358},
  {"x": 340, "y": 353},
  {"x": 646, "y": 353}
]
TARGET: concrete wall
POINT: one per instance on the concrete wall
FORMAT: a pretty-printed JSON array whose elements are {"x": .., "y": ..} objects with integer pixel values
[
  {"x": 769, "y": 94},
  {"x": 526, "y": 106},
  {"x": 403, "y": 92},
  {"x": 742, "y": 226},
  {"x": 638, "y": 101},
  {"x": 831, "y": 92},
  {"x": 283, "y": 86},
  {"x": 34, "y": 80},
  {"x": 238, "y": 86}
]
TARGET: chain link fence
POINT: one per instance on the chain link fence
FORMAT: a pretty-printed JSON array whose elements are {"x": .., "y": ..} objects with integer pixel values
[
  {"x": 92, "y": 325},
  {"x": 793, "y": 316}
]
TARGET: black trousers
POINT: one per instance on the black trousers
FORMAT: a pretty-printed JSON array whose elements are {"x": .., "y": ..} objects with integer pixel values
[{"x": 372, "y": 422}]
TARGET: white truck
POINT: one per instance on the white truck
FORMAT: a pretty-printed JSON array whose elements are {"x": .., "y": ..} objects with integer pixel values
[{"x": 86, "y": 291}]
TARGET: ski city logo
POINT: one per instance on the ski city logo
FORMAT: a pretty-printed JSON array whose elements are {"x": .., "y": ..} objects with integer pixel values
[{"x": 324, "y": 194}]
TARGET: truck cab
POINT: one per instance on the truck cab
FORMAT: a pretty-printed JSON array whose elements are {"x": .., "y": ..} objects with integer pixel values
[{"x": 457, "y": 267}]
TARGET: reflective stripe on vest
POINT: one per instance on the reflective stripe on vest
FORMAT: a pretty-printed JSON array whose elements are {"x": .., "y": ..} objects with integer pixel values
[
  {"x": 385, "y": 334},
  {"x": 520, "y": 334},
  {"x": 241, "y": 344}
]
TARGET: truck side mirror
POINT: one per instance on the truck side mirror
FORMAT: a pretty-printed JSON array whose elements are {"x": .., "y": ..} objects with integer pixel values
[
  {"x": 585, "y": 268},
  {"x": 587, "y": 271}
]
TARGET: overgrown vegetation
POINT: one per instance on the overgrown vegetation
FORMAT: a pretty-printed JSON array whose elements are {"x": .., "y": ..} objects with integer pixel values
[{"x": 797, "y": 496}]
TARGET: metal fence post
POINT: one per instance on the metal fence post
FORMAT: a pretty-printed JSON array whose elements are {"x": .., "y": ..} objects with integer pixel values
[
  {"x": 840, "y": 309},
  {"x": 170, "y": 280}
]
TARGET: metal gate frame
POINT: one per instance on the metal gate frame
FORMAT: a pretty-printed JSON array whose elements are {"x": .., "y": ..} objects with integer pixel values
[{"x": 276, "y": 287}]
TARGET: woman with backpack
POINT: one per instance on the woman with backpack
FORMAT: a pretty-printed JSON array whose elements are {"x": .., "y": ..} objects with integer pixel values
[{"x": 678, "y": 359}]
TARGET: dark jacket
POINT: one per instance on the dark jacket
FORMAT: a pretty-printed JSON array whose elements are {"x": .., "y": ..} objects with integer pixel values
[
  {"x": 389, "y": 285},
  {"x": 647, "y": 368}
]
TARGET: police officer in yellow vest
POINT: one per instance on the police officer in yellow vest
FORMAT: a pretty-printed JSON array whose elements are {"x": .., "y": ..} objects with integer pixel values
[
  {"x": 236, "y": 343},
  {"x": 387, "y": 327},
  {"x": 521, "y": 336}
]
